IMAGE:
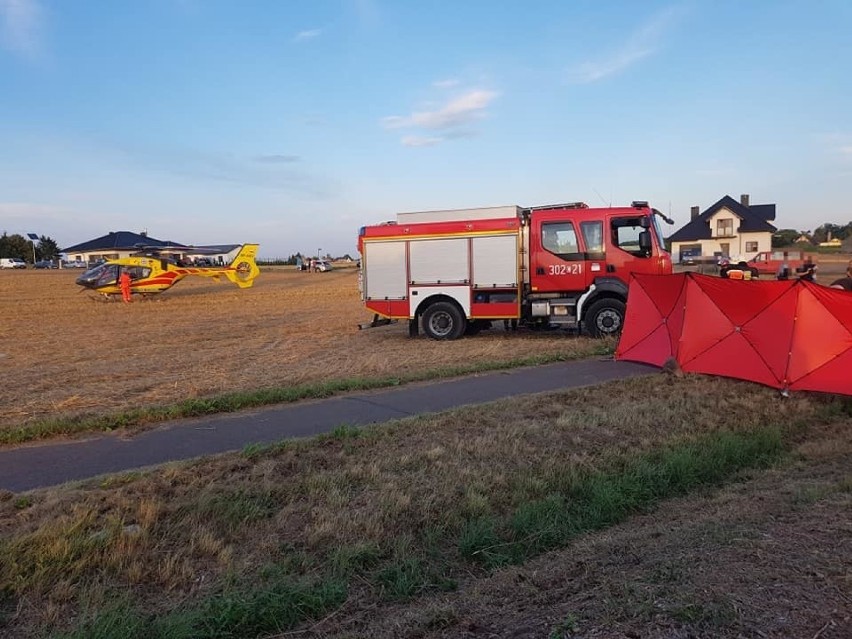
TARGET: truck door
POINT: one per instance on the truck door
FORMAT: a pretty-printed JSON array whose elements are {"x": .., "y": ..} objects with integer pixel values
[
  {"x": 556, "y": 257},
  {"x": 631, "y": 247}
]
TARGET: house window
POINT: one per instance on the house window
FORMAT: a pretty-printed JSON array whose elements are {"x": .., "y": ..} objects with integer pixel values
[
  {"x": 751, "y": 247},
  {"x": 725, "y": 228}
]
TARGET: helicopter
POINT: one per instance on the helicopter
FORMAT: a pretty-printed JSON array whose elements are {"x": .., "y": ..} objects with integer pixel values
[{"x": 151, "y": 272}]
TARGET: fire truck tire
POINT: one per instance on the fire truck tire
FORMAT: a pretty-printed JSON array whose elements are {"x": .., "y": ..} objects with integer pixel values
[
  {"x": 443, "y": 320},
  {"x": 605, "y": 317}
]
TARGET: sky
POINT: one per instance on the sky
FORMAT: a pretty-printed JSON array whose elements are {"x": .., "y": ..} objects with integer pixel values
[{"x": 292, "y": 124}]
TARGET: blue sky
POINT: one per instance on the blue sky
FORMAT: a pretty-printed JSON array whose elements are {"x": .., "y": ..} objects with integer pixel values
[{"x": 293, "y": 123}]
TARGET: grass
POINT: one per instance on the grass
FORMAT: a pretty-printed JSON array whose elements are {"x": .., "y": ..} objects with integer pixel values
[
  {"x": 597, "y": 500},
  {"x": 249, "y": 611},
  {"x": 601, "y": 499},
  {"x": 231, "y": 402},
  {"x": 378, "y": 514}
]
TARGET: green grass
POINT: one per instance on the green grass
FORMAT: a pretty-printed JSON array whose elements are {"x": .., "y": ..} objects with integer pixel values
[
  {"x": 250, "y": 611},
  {"x": 230, "y": 402},
  {"x": 598, "y": 500},
  {"x": 232, "y": 509}
]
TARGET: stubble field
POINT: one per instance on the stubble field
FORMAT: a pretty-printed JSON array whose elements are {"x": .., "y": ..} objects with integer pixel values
[{"x": 66, "y": 353}]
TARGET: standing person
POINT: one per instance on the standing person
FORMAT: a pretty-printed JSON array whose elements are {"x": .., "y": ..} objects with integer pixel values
[
  {"x": 784, "y": 270},
  {"x": 808, "y": 270},
  {"x": 124, "y": 285},
  {"x": 844, "y": 282}
]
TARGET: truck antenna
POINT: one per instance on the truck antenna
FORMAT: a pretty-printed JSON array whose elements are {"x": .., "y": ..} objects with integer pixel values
[{"x": 601, "y": 197}]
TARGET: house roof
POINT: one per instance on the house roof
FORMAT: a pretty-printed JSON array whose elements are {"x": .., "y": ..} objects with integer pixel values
[
  {"x": 118, "y": 240},
  {"x": 754, "y": 219}
]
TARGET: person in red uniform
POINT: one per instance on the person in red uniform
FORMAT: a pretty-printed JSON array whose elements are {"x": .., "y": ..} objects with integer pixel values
[{"x": 124, "y": 284}]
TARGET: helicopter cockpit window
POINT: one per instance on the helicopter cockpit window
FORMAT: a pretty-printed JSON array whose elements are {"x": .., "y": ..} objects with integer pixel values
[{"x": 108, "y": 274}]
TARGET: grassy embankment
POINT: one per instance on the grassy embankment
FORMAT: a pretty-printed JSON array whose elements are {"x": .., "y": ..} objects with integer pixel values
[{"x": 341, "y": 526}]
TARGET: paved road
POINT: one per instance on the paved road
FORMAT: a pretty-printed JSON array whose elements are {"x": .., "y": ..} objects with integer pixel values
[{"x": 41, "y": 465}]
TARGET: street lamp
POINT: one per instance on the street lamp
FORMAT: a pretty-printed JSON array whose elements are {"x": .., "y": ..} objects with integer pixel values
[
  {"x": 33, "y": 238},
  {"x": 319, "y": 254}
]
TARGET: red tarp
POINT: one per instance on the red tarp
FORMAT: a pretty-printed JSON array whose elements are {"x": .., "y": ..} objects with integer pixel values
[{"x": 792, "y": 335}]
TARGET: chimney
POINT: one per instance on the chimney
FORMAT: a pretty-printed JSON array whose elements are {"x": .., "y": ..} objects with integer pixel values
[
  {"x": 744, "y": 199},
  {"x": 693, "y": 213},
  {"x": 144, "y": 232}
]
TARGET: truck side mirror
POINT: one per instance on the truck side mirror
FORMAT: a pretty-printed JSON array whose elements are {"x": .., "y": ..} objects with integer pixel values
[{"x": 645, "y": 242}]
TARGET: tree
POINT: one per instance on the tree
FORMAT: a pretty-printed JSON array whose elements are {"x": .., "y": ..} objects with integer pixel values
[
  {"x": 839, "y": 232},
  {"x": 15, "y": 246},
  {"x": 784, "y": 237},
  {"x": 47, "y": 248}
]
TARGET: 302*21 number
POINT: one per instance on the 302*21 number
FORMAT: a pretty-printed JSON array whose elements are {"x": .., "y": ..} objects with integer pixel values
[{"x": 565, "y": 269}]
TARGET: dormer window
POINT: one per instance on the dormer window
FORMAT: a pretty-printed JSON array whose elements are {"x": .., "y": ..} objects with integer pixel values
[{"x": 725, "y": 228}]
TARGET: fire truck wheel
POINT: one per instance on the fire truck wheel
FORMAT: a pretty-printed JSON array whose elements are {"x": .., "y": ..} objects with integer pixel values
[
  {"x": 605, "y": 317},
  {"x": 443, "y": 320}
]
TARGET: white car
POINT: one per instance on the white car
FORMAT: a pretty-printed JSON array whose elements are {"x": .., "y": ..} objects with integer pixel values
[
  {"x": 12, "y": 262},
  {"x": 323, "y": 265}
]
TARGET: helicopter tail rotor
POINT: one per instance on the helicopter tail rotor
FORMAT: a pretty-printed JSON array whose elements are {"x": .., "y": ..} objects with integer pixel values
[{"x": 243, "y": 268}]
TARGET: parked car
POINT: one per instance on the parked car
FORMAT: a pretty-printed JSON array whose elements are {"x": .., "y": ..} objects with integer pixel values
[
  {"x": 769, "y": 262},
  {"x": 12, "y": 262},
  {"x": 45, "y": 264},
  {"x": 323, "y": 265},
  {"x": 75, "y": 264}
]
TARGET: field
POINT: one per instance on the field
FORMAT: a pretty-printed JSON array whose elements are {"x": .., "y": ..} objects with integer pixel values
[
  {"x": 67, "y": 355},
  {"x": 663, "y": 506}
]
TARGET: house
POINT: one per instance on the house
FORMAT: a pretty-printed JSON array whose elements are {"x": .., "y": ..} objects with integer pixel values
[
  {"x": 727, "y": 229},
  {"x": 118, "y": 244},
  {"x": 114, "y": 245}
]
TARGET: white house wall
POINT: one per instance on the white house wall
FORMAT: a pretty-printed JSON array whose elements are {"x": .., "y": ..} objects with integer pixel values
[{"x": 737, "y": 245}]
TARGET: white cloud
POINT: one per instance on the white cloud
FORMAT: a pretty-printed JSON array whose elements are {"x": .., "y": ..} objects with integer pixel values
[
  {"x": 462, "y": 110},
  {"x": 416, "y": 140},
  {"x": 308, "y": 34},
  {"x": 21, "y": 27},
  {"x": 642, "y": 43},
  {"x": 445, "y": 84}
]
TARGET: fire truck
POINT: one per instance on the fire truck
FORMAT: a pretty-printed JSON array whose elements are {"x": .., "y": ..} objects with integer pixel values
[{"x": 564, "y": 265}]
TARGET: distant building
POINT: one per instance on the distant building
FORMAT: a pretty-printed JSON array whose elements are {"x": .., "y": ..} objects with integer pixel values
[
  {"x": 726, "y": 229},
  {"x": 832, "y": 243},
  {"x": 118, "y": 244}
]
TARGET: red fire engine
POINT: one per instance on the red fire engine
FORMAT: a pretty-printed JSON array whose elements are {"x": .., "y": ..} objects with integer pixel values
[{"x": 453, "y": 272}]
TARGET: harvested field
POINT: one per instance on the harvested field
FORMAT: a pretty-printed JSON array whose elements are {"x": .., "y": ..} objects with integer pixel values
[{"x": 67, "y": 354}]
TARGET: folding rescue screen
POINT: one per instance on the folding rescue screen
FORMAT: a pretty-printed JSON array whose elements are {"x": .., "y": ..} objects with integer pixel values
[{"x": 792, "y": 335}]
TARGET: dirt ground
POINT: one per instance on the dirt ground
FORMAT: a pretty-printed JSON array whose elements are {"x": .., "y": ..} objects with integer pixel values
[{"x": 65, "y": 352}]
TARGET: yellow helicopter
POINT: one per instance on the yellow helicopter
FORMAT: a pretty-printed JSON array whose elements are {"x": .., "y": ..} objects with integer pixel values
[{"x": 150, "y": 272}]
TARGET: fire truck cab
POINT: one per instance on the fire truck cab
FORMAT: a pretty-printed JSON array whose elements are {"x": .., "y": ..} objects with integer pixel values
[{"x": 454, "y": 272}]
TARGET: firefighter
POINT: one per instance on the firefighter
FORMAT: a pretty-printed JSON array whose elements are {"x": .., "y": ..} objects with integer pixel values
[{"x": 124, "y": 284}]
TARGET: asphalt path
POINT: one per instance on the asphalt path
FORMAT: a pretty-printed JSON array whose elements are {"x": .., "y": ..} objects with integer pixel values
[{"x": 48, "y": 464}]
